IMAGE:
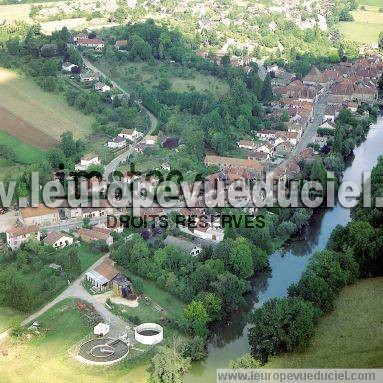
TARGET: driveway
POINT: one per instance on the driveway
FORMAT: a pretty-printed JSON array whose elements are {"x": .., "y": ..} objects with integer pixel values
[{"x": 118, "y": 327}]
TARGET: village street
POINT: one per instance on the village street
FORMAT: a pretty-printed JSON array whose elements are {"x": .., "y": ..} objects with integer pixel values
[
  {"x": 75, "y": 290},
  {"x": 113, "y": 165}
]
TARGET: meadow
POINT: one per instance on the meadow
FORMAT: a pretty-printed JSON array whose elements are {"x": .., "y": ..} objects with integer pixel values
[
  {"x": 134, "y": 74},
  {"x": 367, "y": 24},
  {"x": 49, "y": 113},
  {"x": 349, "y": 337}
]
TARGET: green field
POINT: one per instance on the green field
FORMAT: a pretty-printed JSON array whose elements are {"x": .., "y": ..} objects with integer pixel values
[
  {"x": 349, "y": 337},
  {"x": 25, "y": 153},
  {"x": 367, "y": 25},
  {"x": 376, "y": 3},
  {"x": 131, "y": 75}
]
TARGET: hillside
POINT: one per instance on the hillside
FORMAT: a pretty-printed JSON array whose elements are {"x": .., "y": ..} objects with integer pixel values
[{"x": 350, "y": 336}]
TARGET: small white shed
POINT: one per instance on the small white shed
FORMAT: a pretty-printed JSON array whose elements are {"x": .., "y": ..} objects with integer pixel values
[{"x": 101, "y": 329}]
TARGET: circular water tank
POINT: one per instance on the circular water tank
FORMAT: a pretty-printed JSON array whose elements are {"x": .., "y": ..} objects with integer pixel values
[{"x": 149, "y": 333}]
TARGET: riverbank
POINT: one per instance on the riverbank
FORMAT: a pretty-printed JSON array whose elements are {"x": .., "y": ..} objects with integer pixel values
[{"x": 231, "y": 340}]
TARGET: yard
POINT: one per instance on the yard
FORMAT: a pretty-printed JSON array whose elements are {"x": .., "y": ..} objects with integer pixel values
[
  {"x": 350, "y": 336},
  {"x": 38, "y": 112},
  {"x": 182, "y": 79},
  {"x": 45, "y": 358},
  {"x": 366, "y": 26}
]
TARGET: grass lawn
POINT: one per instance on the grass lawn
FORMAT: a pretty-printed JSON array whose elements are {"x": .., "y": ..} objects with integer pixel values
[
  {"x": 350, "y": 336},
  {"x": 166, "y": 300},
  {"x": 87, "y": 256},
  {"x": 366, "y": 27},
  {"x": 24, "y": 152},
  {"x": 45, "y": 358},
  {"x": 376, "y": 3},
  {"x": 6, "y": 315},
  {"x": 131, "y": 75},
  {"x": 45, "y": 111}
]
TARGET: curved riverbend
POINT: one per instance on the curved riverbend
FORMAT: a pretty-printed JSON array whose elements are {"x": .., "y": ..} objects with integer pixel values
[{"x": 230, "y": 341}]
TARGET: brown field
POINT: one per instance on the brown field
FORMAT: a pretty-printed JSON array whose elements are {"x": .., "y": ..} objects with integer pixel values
[
  {"x": 47, "y": 112},
  {"x": 20, "y": 129}
]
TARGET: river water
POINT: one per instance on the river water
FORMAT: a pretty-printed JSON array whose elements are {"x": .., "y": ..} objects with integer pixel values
[{"x": 230, "y": 340}]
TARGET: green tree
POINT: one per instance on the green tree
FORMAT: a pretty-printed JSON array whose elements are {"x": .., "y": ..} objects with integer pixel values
[
  {"x": 245, "y": 362},
  {"x": 197, "y": 318},
  {"x": 241, "y": 259},
  {"x": 267, "y": 92},
  {"x": 281, "y": 325},
  {"x": 169, "y": 366}
]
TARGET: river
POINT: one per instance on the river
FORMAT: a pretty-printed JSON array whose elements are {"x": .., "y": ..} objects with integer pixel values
[{"x": 230, "y": 340}]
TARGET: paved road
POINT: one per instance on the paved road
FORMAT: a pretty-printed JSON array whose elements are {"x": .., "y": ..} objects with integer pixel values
[
  {"x": 113, "y": 165},
  {"x": 118, "y": 327}
]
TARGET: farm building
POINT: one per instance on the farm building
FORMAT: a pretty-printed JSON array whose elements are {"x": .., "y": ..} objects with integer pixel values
[
  {"x": 122, "y": 287},
  {"x": 102, "y": 276},
  {"x": 89, "y": 235},
  {"x": 41, "y": 215}
]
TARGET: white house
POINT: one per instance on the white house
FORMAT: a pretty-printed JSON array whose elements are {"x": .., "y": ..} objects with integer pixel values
[
  {"x": 187, "y": 246},
  {"x": 67, "y": 66},
  {"x": 16, "y": 236},
  {"x": 89, "y": 77},
  {"x": 244, "y": 144},
  {"x": 130, "y": 134},
  {"x": 327, "y": 125},
  {"x": 101, "y": 87},
  {"x": 116, "y": 142},
  {"x": 266, "y": 134},
  {"x": 88, "y": 160},
  {"x": 58, "y": 239},
  {"x": 151, "y": 140},
  {"x": 97, "y": 44}
]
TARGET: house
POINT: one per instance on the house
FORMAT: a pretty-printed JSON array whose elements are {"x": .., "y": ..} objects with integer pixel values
[
  {"x": 266, "y": 134},
  {"x": 58, "y": 239},
  {"x": 70, "y": 212},
  {"x": 88, "y": 160},
  {"x": 150, "y": 140},
  {"x": 266, "y": 148},
  {"x": 41, "y": 215},
  {"x": 90, "y": 235},
  {"x": 16, "y": 236},
  {"x": 327, "y": 125},
  {"x": 365, "y": 94},
  {"x": 97, "y": 44},
  {"x": 101, "y": 87},
  {"x": 331, "y": 112},
  {"x": 185, "y": 245},
  {"x": 68, "y": 66},
  {"x": 228, "y": 162},
  {"x": 80, "y": 36},
  {"x": 292, "y": 137},
  {"x": 243, "y": 144},
  {"x": 102, "y": 276},
  {"x": 315, "y": 77},
  {"x": 130, "y": 134},
  {"x": 209, "y": 232},
  {"x": 89, "y": 77},
  {"x": 258, "y": 156},
  {"x": 121, "y": 44},
  {"x": 116, "y": 142}
]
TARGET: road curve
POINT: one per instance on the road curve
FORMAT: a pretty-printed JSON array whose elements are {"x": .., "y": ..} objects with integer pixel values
[{"x": 113, "y": 165}]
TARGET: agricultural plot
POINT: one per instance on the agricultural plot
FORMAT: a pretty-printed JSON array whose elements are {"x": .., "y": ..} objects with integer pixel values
[
  {"x": 366, "y": 26},
  {"x": 40, "y": 110}
]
